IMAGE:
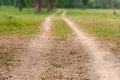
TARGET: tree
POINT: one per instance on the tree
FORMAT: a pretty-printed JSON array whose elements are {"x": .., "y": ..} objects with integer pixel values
[
  {"x": 50, "y": 4},
  {"x": 114, "y": 7},
  {"x": 20, "y": 5},
  {"x": 85, "y": 3},
  {"x": 38, "y": 5}
]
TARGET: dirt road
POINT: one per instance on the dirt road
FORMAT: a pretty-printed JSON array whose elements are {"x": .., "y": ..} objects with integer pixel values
[
  {"x": 102, "y": 64},
  {"x": 35, "y": 61},
  {"x": 51, "y": 59},
  {"x": 76, "y": 57}
]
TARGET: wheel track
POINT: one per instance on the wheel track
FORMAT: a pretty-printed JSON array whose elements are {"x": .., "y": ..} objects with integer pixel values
[
  {"x": 35, "y": 60},
  {"x": 102, "y": 67}
]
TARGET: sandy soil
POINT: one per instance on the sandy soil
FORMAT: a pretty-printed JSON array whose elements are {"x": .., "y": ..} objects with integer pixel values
[{"x": 102, "y": 65}]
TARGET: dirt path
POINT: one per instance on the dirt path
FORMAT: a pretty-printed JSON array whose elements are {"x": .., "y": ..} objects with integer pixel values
[
  {"x": 102, "y": 65},
  {"x": 50, "y": 59},
  {"x": 35, "y": 61}
]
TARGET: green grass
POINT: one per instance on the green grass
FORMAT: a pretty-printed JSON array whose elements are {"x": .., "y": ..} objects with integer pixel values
[
  {"x": 101, "y": 23},
  {"x": 60, "y": 28},
  {"x": 56, "y": 65},
  {"x": 13, "y": 21},
  {"x": 103, "y": 13}
]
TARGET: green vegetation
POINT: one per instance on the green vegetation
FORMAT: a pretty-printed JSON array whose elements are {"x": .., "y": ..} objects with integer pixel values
[
  {"x": 60, "y": 28},
  {"x": 101, "y": 23},
  {"x": 26, "y": 22},
  {"x": 56, "y": 65}
]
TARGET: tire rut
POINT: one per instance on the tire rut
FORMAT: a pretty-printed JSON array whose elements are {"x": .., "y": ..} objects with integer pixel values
[
  {"x": 35, "y": 62},
  {"x": 100, "y": 66}
]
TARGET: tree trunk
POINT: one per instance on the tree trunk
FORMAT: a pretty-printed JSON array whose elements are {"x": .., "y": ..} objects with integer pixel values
[
  {"x": 38, "y": 5},
  {"x": 114, "y": 11},
  {"x": 114, "y": 7},
  {"x": 50, "y": 4},
  {"x": 20, "y": 5}
]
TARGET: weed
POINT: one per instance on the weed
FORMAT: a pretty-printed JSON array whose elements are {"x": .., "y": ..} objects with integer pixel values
[
  {"x": 113, "y": 49},
  {"x": 9, "y": 59},
  {"x": 57, "y": 65}
]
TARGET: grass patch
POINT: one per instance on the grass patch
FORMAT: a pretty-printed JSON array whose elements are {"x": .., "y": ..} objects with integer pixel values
[
  {"x": 13, "y": 21},
  {"x": 57, "y": 65},
  {"x": 101, "y": 23},
  {"x": 60, "y": 28}
]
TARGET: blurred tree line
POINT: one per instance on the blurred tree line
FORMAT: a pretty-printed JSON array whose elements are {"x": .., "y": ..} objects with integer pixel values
[
  {"x": 88, "y": 3},
  {"x": 38, "y": 4},
  {"x": 50, "y": 4}
]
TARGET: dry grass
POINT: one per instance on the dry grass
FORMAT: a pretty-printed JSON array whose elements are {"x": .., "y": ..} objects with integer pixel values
[{"x": 11, "y": 48}]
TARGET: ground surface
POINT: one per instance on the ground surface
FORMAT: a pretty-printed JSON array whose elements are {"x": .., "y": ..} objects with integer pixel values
[
  {"x": 104, "y": 68},
  {"x": 77, "y": 56}
]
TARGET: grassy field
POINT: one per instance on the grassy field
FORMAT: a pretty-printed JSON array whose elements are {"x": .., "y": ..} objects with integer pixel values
[
  {"x": 12, "y": 21},
  {"x": 101, "y": 23}
]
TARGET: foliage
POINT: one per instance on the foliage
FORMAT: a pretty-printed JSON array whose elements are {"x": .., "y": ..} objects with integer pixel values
[
  {"x": 85, "y": 2},
  {"x": 38, "y": 4}
]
